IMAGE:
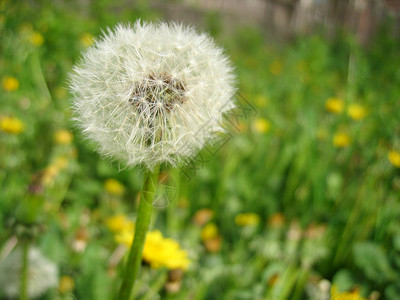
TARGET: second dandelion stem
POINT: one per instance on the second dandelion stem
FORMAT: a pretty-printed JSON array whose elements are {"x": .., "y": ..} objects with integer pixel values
[
  {"x": 23, "y": 294},
  {"x": 142, "y": 226}
]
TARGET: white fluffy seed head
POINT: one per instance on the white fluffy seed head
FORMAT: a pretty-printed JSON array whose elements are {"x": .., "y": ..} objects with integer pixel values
[
  {"x": 42, "y": 274},
  {"x": 152, "y": 93}
]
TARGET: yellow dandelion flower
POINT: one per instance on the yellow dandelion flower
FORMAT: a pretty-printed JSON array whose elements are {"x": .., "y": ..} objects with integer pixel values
[
  {"x": 11, "y": 125},
  {"x": 63, "y": 137},
  {"x": 86, "y": 39},
  {"x": 120, "y": 224},
  {"x": 261, "y": 125},
  {"x": 114, "y": 187},
  {"x": 247, "y": 219},
  {"x": 164, "y": 252},
  {"x": 356, "y": 111},
  {"x": 35, "y": 38},
  {"x": 394, "y": 158},
  {"x": 276, "y": 68},
  {"x": 66, "y": 284},
  {"x": 341, "y": 140},
  {"x": 336, "y": 295},
  {"x": 334, "y": 105},
  {"x": 159, "y": 251},
  {"x": 209, "y": 232},
  {"x": 10, "y": 84}
]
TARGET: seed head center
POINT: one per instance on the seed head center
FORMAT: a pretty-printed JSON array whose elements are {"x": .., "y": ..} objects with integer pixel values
[{"x": 158, "y": 93}]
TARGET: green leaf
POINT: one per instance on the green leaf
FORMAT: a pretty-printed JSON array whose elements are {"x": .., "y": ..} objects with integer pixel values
[{"x": 374, "y": 262}]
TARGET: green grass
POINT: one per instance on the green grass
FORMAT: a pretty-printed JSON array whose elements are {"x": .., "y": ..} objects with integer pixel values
[{"x": 350, "y": 193}]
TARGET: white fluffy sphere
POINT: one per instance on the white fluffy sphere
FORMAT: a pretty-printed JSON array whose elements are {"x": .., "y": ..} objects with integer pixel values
[
  {"x": 152, "y": 93},
  {"x": 42, "y": 274}
]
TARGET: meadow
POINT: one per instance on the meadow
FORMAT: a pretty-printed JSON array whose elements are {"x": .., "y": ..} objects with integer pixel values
[{"x": 300, "y": 200}]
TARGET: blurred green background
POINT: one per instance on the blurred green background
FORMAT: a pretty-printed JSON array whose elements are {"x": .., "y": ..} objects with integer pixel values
[{"x": 302, "y": 202}]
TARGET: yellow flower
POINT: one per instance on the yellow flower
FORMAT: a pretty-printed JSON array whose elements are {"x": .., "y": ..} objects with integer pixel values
[
  {"x": 11, "y": 125},
  {"x": 341, "y": 140},
  {"x": 159, "y": 251},
  {"x": 276, "y": 67},
  {"x": 36, "y": 39},
  {"x": 356, "y": 111},
  {"x": 10, "y": 84},
  {"x": 209, "y": 232},
  {"x": 334, "y": 105},
  {"x": 394, "y": 158},
  {"x": 114, "y": 187},
  {"x": 66, "y": 284},
  {"x": 247, "y": 219},
  {"x": 261, "y": 125},
  {"x": 119, "y": 224},
  {"x": 336, "y": 295},
  {"x": 86, "y": 39},
  {"x": 63, "y": 137}
]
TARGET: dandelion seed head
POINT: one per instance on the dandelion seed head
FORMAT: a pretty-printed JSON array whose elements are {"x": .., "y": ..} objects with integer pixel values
[
  {"x": 152, "y": 93},
  {"x": 42, "y": 274}
]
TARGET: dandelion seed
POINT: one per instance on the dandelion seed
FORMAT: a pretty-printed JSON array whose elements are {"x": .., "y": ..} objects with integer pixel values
[{"x": 152, "y": 93}]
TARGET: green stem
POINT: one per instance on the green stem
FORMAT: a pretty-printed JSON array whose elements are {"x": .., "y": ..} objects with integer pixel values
[
  {"x": 23, "y": 294},
  {"x": 142, "y": 226}
]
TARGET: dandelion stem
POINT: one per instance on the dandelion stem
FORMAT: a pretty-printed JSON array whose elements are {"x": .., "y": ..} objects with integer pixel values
[
  {"x": 23, "y": 295},
  {"x": 142, "y": 226}
]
